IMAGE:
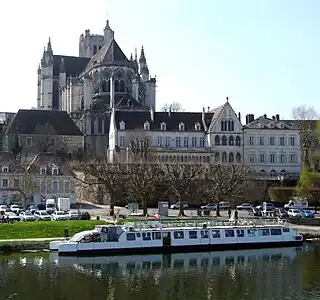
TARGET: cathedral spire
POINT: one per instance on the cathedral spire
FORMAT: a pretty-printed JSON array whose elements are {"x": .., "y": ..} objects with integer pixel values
[
  {"x": 142, "y": 58},
  {"x": 49, "y": 47}
]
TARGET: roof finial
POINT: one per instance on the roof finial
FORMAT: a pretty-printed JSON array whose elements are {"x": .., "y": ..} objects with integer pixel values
[
  {"x": 107, "y": 22},
  {"x": 227, "y": 98},
  {"x": 142, "y": 58}
]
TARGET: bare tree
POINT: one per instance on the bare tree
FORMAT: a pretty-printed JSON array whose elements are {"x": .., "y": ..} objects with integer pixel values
[
  {"x": 100, "y": 172},
  {"x": 225, "y": 180},
  {"x": 305, "y": 113},
  {"x": 45, "y": 137},
  {"x": 173, "y": 107},
  {"x": 181, "y": 178}
]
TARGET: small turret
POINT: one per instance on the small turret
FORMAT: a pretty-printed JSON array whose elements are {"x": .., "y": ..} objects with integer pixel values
[
  {"x": 142, "y": 59},
  {"x": 62, "y": 66},
  {"x": 49, "y": 47},
  {"x": 108, "y": 34}
]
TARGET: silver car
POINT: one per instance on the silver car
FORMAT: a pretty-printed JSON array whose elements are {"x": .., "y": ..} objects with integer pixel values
[
  {"x": 27, "y": 216},
  {"x": 42, "y": 215}
]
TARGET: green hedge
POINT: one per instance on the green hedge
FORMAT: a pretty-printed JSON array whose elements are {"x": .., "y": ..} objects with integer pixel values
[{"x": 50, "y": 229}]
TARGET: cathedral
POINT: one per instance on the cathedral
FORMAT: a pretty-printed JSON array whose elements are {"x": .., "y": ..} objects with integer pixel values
[{"x": 89, "y": 85}]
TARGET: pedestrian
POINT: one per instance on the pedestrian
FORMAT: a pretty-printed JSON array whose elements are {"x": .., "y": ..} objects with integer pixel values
[
  {"x": 229, "y": 213},
  {"x": 236, "y": 217},
  {"x": 66, "y": 232}
]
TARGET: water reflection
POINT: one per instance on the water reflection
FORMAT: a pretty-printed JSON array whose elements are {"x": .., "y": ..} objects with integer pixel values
[{"x": 271, "y": 274}]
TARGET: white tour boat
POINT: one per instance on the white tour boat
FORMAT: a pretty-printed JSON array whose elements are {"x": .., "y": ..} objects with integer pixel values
[{"x": 163, "y": 238}]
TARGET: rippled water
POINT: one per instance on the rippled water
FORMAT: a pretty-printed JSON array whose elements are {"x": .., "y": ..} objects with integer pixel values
[{"x": 271, "y": 274}]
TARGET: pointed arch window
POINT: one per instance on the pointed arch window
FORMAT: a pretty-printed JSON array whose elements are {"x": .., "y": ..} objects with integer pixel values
[
  {"x": 272, "y": 173},
  {"x": 231, "y": 157},
  {"x": 224, "y": 141},
  {"x": 224, "y": 157},
  {"x": 217, "y": 140},
  {"x": 116, "y": 86},
  {"x": 238, "y": 158},
  {"x": 104, "y": 86},
  {"x": 231, "y": 140},
  {"x": 146, "y": 125},
  {"x": 238, "y": 141},
  {"x": 230, "y": 125},
  {"x": 224, "y": 125},
  {"x": 217, "y": 157},
  {"x": 262, "y": 173},
  {"x": 181, "y": 126},
  {"x": 121, "y": 86}
]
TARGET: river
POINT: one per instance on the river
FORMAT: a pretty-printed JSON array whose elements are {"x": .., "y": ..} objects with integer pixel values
[{"x": 270, "y": 274}]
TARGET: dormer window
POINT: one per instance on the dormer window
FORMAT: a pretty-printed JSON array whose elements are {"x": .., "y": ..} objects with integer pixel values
[
  {"x": 43, "y": 171},
  {"x": 5, "y": 169},
  {"x": 55, "y": 171},
  {"x": 163, "y": 126},
  {"x": 281, "y": 125},
  {"x": 197, "y": 127},
  {"x": 271, "y": 125},
  {"x": 122, "y": 125},
  {"x": 146, "y": 125},
  {"x": 181, "y": 126}
]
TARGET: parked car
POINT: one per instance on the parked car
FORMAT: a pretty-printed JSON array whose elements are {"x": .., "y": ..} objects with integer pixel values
[
  {"x": 42, "y": 215},
  {"x": 32, "y": 208},
  {"x": 15, "y": 208},
  {"x": 73, "y": 215},
  {"x": 12, "y": 216},
  {"x": 297, "y": 204},
  {"x": 85, "y": 216},
  {"x": 281, "y": 213},
  {"x": 27, "y": 216},
  {"x": 294, "y": 213},
  {"x": 306, "y": 213},
  {"x": 3, "y": 209},
  {"x": 256, "y": 212},
  {"x": 59, "y": 215},
  {"x": 224, "y": 205},
  {"x": 244, "y": 206},
  {"x": 209, "y": 206},
  {"x": 269, "y": 207},
  {"x": 177, "y": 205}
]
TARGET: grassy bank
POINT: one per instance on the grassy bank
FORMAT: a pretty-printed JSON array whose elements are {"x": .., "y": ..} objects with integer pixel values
[
  {"x": 23, "y": 246},
  {"x": 51, "y": 229}
]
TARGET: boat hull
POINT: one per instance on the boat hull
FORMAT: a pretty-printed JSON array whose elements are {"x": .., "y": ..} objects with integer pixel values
[{"x": 181, "y": 249}]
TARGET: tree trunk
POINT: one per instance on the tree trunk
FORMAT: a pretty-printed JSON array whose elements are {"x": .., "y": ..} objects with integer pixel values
[
  {"x": 218, "y": 210},
  {"x": 145, "y": 207},
  {"x": 181, "y": 208},
  {"x": 112, "y": 203}
]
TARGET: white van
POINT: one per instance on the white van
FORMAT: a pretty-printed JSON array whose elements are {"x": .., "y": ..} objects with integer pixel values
[{"x": 296, "y": 204}]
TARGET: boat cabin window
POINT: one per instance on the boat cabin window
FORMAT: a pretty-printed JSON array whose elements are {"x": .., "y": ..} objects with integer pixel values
[
  {"x": 229, "y": 233},
  {"x": 275, "y": 231},
  {"x": 87, "y": 239},
  {"x": 240, "y": 233},
  {"x": 204, "y": 234},
  {"x": 285, "y": 229},
  {"x": 263, "y": 232},
  {"x": 146, "y": 236},
  {"x": 138, "y": 234},
  {"x": 178, "y": 234},
  {"x": 216, "y": 234},
  {"x": 156, "y": 235},
  {"x": 193, "y": 235},
  {"x": 251, "y": 233},
  {"x": 96, "y": 238},
  {"x": 131, "y": 236}
]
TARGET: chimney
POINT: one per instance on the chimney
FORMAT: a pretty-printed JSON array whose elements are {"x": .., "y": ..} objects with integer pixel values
[
  {"x": 239, "y": 117},
  {"x": 265, "y": 116},
  {"x": 203, "y": 110},
  {"x": 152, "y": 114},
  {"x": 251, "y": 118},
  {"x": 273, "y": 118},
  {"x": 208, "y": 108},
  {"x": 277, "y": 117}
]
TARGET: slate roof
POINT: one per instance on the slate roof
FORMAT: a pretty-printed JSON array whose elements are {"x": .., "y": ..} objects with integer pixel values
[
  {"x": 73, "y": 65},
  {"x": 109, "y": 54},
  {"x": 25, "y": 122},
  {"x": 266, "y": 123},
  {"x": 49, "y": 160},
  {"x": 123, "y": 100},
  {"x": 136, "y": 120}
]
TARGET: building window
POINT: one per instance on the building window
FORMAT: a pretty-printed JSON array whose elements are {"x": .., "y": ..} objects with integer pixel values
[
  {"x": 55, "y": 171},
  {"x": 238, "y": 158},
  {"x": 29, "y": 142},
  {"x": 178, "y": 142},
  {"x": 122, "y": 125},
  {"x": 292, "y": 158},
  {"x": 159, "y": 141},
  {"x": 121, "y": 141},
  {"x": 194, "y": 142},
  {"x": 292, "y": 141},
  {"x": 271, "y": 140},
  {"x": 5, "y": 169},
  {"x": 202, "y": 142},
  {"x": 181, "y": 127},
  {"x": 67, "y": 187},
  {"x": 197, "y": 127},
  {"x": 168, "y": 143},
  {"x": 231, "y": 140},
  {"x": 282, "y": 141},
  {"x": 261, "y": 139},
  {"x": 224, "y": 125},
  {"x": 251, "y": 158},
  {"x": 186, "y": 142},
  {"x": 282, "y": 158},
  {"x": 251, "y": 141},
  {"x": 217, "y": 140},
  {"x": 230, "y": 125},
  {"x": 163, "y": 126},
  {"x": 217, "y": 157},
  {"x": 224, "y": 141},
  {"x": 92, "y": 127},
  {"x": 238, "y": 141},
  {"x": 272, "y": 158},
  {"x": 55, "y": 187},
  {"x": 99, "y": 126},
  {"x": 224, "y": 157},
  {"x": 146, "y": 126},
  {"x": 15, "y": 182},
  {"x": 5, "y": 182},
  {"x": 261, "y": 157},
  {"x": 231, "y": 157},
  {"x": 43, "y": 171}
]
